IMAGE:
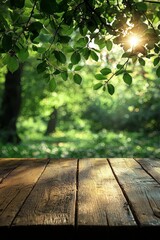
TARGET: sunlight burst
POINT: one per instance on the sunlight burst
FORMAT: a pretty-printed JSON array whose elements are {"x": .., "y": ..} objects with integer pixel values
[{"x": 134, "y": 41}]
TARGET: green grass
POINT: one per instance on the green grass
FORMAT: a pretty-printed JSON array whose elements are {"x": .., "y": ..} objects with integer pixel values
[{"x": 86, "y": 144}]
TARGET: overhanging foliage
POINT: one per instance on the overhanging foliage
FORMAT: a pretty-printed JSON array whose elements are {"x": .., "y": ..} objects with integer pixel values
[{"x": 63, "y": 35}]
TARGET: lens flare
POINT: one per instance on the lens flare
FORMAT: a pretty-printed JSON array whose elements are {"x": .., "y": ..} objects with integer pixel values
[{"x": 134, "y": 41}]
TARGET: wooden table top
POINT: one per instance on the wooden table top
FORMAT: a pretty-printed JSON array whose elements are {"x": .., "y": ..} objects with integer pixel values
[{"x": 73, "y": 198}]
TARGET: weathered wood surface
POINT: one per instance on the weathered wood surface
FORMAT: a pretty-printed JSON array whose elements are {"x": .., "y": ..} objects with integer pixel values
[
  {"x": 15, "y": 188},
  {"x": 151, "y": 166},
  {"x": 52, "y": 201},
  {"x": 141, "y": 190},
  {"x": 79, "y": 198},
  {"x": 100, "y": 199}
]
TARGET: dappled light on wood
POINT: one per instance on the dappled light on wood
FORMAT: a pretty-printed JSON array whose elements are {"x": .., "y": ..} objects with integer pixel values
[{"x": 77, "y": 197}]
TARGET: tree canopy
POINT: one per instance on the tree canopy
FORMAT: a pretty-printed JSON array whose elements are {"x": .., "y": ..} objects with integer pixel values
[{"x": 63, "y": 35}]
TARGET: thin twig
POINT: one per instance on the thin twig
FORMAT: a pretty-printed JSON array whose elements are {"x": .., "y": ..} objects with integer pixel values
[
  {"x": 31, "y": 14},
  {"x": 126, "y": 62},
  {"x": 149, "y": 22},
  {"x": 28, "y": 21},
  {"x": 54, "y": 36}
]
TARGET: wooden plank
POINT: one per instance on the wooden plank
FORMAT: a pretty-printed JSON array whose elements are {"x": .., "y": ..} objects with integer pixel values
[
  {"x": 52, "y": 201},
  {"x": 142, "y": 191},
  {"x": 15, "y": 188},
  {"x": 7, "y": 165},
  {"x": 100, "y": 199},
  {"x": 152, "y": 166}
]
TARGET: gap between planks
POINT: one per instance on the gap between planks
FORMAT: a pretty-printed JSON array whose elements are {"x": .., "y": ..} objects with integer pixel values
[
  {"x": 124, "y": 193},
  {"x": 140, "y": 188}
]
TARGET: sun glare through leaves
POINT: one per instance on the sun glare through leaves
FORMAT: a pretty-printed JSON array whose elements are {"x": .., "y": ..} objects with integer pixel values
[{"x": 134, "y": 41}]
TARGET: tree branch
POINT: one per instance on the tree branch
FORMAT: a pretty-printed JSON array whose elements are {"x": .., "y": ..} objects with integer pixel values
[
  {"x": 31, "y": 14},
  {"x": 126, "y": 62},
  {"x": 28, "y": 21}
]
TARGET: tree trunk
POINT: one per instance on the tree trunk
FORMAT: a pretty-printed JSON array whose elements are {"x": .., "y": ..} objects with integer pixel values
[
  {"x": 10, "y": 107},
  {"x": 51, "y": 127}
]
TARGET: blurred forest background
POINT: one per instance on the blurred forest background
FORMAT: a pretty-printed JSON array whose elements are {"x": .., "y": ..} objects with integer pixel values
[{"x": 77, "y": 121}]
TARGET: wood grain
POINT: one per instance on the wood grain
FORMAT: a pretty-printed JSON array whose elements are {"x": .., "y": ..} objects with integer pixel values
[
  {"x": 7, "y": 165},
  {"x": 70, "y": 199},
  {"x": 100, "y": 199},
  {"x": 15, "y": 188},
  {"x": 142, "y": 191},
  {"x": 152, "y": 166},
  {"x": 52, "y": 201}
]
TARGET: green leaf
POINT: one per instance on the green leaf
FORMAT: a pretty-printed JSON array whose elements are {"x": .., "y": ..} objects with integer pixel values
[
  {"x": 100, "y": 77},
  {"x": 104, "y": 88},
  {"x": 82, "y": 42},
  {"x": 127, "y": 55},
  {"x": 83, "y": 30},
  {"x": 46, "y": 76},
  {"x": 141, "y": 61},
  {"x": 127, "y": 78},
  {"x": 64, "y": 39},
  {"x": 111, "y": 89},
  {"x": 134, "y": 59},
  {"x": 97, "y": 86},
  {"x": 157, "y": 49},
  {"x": 41, "y": 67},
  {"x": 52, "y": 85},
  {"x": 156, "y": 61},
  {"x": 60, "y": 56},
  {"x": 64, "y": 75},
  {"x": 35, "y": 27},
  {"x": 100, "y": 42},
  {"x": 109, "y": 45},
  {"x": 92, "y": 25},
  {"x": 75, "y": 58},
  {"x": 41, "y": 49},
  {"x": 158, "y": 71},
  {"x": 119, "y": 66},
  {"x": 12, "y": 63},
  {"x": 105, "y": 71},
  {"x": 78, "y": 68},
  {"x": 66, "y": 30},
  {"x": 94, "y": 56},
  {"x": 56, "y": 72},
  {"x": 70, "y": 66},
  {"x": 44, "y": 38},
  {"x": 77, "y": 78},
  {"x": 38, "y": 16},
  {"x": 120, "y": 72},
  {"x": 86, "y": 53},
  {"x": 7, "y": 42},
  {"x": 23, "y": 55},
  {"x": 48, "y": 6},
  {"x": 69, "y": 49},
  {"x": 142, "y": 7}
]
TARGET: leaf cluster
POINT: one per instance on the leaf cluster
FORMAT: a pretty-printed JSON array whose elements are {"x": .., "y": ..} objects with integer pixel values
[{"x": 65, "y": 35}]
